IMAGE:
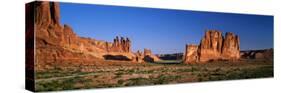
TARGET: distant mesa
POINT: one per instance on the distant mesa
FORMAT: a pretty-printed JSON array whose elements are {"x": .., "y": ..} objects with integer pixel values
[
  {"x": 257, "y": 54},
  {"x": 213, "y": 46},
  {"x": 174, "y": 56}
]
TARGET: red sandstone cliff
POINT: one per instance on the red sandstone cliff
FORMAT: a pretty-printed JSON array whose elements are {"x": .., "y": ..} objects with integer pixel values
[
  {"x": 58, "y": 43},
  {"x": 213, "y": 46}
]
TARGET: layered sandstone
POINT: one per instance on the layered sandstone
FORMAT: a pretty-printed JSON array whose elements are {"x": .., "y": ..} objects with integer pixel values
[
  {"x": 58, "y": 43},
  {"x": 213, "y": 46}
]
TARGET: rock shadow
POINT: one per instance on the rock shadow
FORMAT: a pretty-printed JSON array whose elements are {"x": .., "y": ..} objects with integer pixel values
[{"x": 116, "y": 57}]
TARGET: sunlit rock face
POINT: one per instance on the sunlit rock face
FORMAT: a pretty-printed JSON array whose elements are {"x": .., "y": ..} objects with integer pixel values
[
  {"x": 210, "y": 46},
  {"x": 231, "y": 49},
  {"x": 59, "y": 43},
  {"x": 213, "y": 46},
  {"x": 121, "y": 45},
  {"x": 191, "y": 54}
]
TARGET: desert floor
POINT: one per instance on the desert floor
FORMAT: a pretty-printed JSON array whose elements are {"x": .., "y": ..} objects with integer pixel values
[{"x": 118, "y": 74}]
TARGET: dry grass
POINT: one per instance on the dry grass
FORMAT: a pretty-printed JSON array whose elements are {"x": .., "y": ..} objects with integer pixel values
[{"x": 119, "y": 74}]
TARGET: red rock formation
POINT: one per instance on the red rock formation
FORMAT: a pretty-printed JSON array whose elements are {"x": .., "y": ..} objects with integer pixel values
[
  {"x": 191, "y": 55},
  {"x": 210, "y": 45},
  {"x": 139, "y": 57},
  {"x": 122, "y": 45},
  {"x": 46, "y": 13},
  {"x": 146, "y": 56},
  {"x": 231, "y": 47},
  {"x": 149, "y": 57},
  {"x": 147, "y": 52},
  {"x": 214, "y": 47},
  {"x": 57, "y": 43}
]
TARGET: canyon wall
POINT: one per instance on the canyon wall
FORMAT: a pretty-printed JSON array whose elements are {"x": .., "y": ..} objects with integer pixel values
[
  {"x": 59, "y": 43},
  {"x": 55, "y": 42}
]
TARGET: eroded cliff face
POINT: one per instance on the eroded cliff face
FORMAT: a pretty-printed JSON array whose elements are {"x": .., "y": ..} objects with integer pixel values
[
  {"x": 214, "y": 46},
  {"x": 122, "y": 45},
  {"x": 231, "y": 46},
  {"x": 58, "y": 43},
  {"x": 210, "y": 46}
]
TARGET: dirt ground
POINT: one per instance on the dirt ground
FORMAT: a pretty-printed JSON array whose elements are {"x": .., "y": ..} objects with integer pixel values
[{"x": 69, "y": 75}]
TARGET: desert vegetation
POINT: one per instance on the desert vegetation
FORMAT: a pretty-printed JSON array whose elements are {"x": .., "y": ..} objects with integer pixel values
[{"x": 119, "y": 74}]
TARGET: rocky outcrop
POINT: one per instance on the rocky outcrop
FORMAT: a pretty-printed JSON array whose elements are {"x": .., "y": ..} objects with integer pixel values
[
  {"x": 213, "y": 46},
  {"x": 210, "y": 46},
  {"x": 146, "y": 56},
  {"x": 147, "y": 52},
  {"x": 122, "y": 45},
  {"x": 46, "y": 13},
  {"x": 59, "y": 43},
  {"x": 149, "y": 56},
  {"x": 139, "y": 57},
  {"x": 231, "y": 47},
  {"x": 257, "y": 54},
  {"x": 191, "y": 55}
]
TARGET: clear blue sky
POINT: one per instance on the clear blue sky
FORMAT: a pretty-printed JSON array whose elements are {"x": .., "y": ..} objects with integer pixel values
[{"x": 162, "y": 30}]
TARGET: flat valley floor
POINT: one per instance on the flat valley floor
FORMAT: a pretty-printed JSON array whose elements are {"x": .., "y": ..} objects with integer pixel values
[{"x": 67, "y": 76}]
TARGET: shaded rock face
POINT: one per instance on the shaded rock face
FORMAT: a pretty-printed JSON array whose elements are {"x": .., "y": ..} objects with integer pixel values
[
  {"x": 149, "y": 56},
  {"x": 174, "y": 56},
  {"x": 147, "y": 52},
  {"x": 214, "y": 46},
  {"x": 257, "y": 54},
  {"x": 139, "y": 57},
  {"x": 146, "y": 56},
  {"x": 116, "y": 57},
  {"x": 58, "y": 43}
]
